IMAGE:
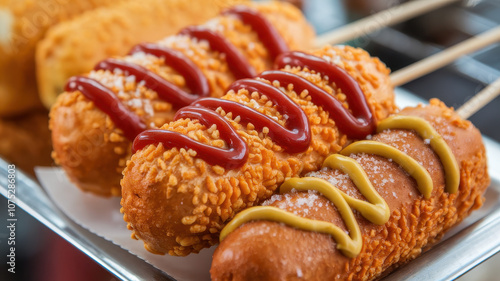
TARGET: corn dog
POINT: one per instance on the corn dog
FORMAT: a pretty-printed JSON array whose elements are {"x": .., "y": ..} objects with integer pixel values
[
  {"x": 23, "y": 24},
  {"x": 94, "y": 121},
  {"x": 185, "y": 181},
  {"x": 126, "y": 24},
  {"x": 17, "y": 145},
  {"x": 402, "y": 211}
]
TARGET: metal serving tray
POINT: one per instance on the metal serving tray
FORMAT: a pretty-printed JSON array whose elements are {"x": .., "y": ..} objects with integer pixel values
[{"x": 470, "y": 243}]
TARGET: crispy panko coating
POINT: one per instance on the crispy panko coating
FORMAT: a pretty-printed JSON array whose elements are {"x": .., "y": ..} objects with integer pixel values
[
  {"x": 23, "y": 24},
  {"x": 266, "y": 250},
  {"x": 93, "y": 151},
  {"x": 177, "y": 203},
  {"x": 111, "y": 31}
]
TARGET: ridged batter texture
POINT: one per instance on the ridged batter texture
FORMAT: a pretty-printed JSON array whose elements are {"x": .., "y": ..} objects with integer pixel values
[
  {"x": 111, "y": 31},
  {"x": 23, "y": 24},
  {"x": 93, "y": 151},
  {"x": 177, "y": 203},
  {"x": 265, "y": 250}
]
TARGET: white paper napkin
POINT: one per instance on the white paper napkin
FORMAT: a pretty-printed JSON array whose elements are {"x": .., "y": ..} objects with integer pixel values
[{"x": 102, "y": 216}]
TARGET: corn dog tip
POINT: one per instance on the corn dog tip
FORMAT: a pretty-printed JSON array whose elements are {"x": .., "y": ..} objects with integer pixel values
[{"x": 415, "y": 222}]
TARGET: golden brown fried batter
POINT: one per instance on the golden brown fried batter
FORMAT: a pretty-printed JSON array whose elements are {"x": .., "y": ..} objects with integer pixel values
[
  {"x": 25, "y": 140},
  {"x": 271, "y": 251},
  {"x": 23, "y": 24},
  {"x": 178, "y": 204},
  {"x": 112, "y": 31},
  {"x": 93, "y": 151}
]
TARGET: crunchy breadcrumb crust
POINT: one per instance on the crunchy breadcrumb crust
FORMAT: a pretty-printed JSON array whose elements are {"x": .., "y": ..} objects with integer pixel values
[
  {"x": 87, "y": 144},
  {"x": 178, "y": 204},
  {"x": 415, "y": 223},
  {"x": 423, "y": 223}
]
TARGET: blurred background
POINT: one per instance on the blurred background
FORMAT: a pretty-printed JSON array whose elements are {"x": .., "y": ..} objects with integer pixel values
[{"x": 43, "y": 255}]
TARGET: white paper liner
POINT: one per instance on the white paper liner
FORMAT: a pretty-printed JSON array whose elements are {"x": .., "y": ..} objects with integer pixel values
[{"x": 102, "y": 216}]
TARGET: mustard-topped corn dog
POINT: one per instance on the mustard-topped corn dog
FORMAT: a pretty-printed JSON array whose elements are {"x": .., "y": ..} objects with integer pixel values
[
  {"x": 219, "y": 157},
  {"x": 91, "y": 121},
  {"x": 423, "y": 173}
]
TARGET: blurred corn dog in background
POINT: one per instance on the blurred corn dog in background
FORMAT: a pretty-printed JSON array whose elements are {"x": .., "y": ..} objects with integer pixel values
[
  {"x": 22, "y": 24},
  {"x": 69, "y": 38},
  {"x": 111, "y": 31}
]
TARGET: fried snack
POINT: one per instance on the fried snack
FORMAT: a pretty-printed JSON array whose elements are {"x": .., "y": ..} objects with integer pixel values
[
  {"x": 89, "y": 144},
  {"x": 17, "y": 145},
  {"x": 265, "y": 250},
  {"x": 22, "y": 24},
  {"x": 177, "y": 202},
  {"x": 126, "y": 24}
]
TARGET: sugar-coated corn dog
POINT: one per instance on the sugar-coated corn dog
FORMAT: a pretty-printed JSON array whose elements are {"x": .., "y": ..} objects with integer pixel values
[
  {"x": 110, "y": 31},
  {"x": 23, "y": 24},
  {"x": 186, "y": 181},
  {"x": 94, "y": 121},
  {"x": 413, "y": 205}
]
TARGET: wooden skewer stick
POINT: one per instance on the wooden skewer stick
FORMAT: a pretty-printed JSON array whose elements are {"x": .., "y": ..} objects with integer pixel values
[
  {"x": 480, "y": 100},
  {"x": 380, "y": 20},
  {"x": 445, "y": 57}
]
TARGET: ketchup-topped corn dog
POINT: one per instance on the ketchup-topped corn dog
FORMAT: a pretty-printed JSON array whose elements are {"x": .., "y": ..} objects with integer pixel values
[
  {"x": 95, "y": 120},
  {"x": 423, "y": 173},
  {"x": 221, "y": 156}
]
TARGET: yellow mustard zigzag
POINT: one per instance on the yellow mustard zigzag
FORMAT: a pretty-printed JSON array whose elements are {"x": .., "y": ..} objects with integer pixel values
[{"x": 375, "y": 209}]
